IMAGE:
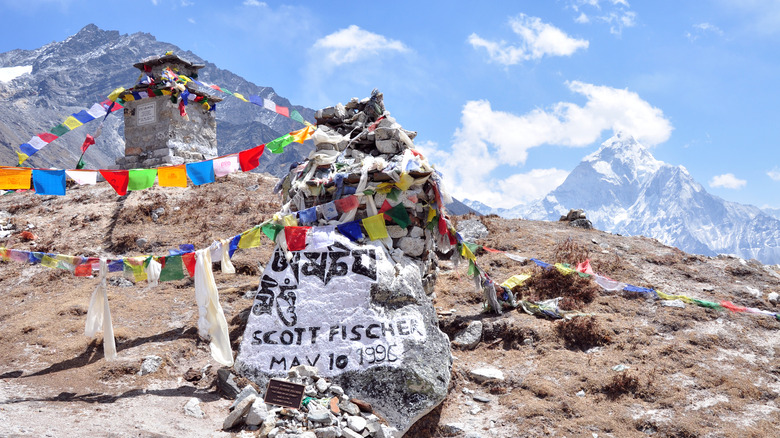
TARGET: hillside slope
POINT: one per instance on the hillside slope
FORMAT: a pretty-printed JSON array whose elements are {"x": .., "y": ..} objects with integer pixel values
[{"x": 689, "y": 371}]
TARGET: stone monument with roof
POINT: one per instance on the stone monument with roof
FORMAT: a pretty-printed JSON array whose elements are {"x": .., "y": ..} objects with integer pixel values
[{"x": 168, "y": 120}]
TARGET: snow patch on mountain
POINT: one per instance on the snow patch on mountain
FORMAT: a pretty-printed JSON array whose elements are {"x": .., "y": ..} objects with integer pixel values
[{"x": 7, "y": 74}]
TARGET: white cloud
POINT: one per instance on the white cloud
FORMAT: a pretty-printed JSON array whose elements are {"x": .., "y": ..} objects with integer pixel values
[
  {"x": 727, "y": 181},
  {"x": 191, "y": 20},
  {"x": 498, "y": 140},
  {"x": 616, "y": 14},
  {"x": 352, "y": 44},
  {"x": 701, "y": 29},
  {"x": 185, "y": 3},
  {"x": 537, "y": 39},
  {"x": 254, "y": 3},
  {"x": 774, "y": 174}
]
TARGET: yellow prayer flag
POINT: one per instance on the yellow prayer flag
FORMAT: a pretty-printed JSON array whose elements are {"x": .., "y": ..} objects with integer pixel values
[
  {"x": 302, "y": 135},
  {"x": 515, "y": 280},
  {"x": 13, "y": 178},
  {"x": 563, "y": 269},
  {"x": 135, "y": 265},
  {"x": 172, "y": 176},
  {"x": 72, "y": 123},
  {"x": 385, "y": 188},
  {"x": 166, "y": 92},
  {"x": 431, "y": 214},
  {"x": 290, "y": 221},
  {"x": 405, "y": 182},
  {"x": 49, "y": 262},
  {"x": 251, "y": 239},
  {"x": 22, "y": 157},
  {"x": 466, "y": 252},
  {"x": 240, "y": 96},
  {"x": 115, "y": 94},
  {"x": 375, "y": 226}
]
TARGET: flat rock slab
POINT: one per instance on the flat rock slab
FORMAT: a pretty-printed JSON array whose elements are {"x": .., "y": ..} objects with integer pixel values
[{"x": 358, "y": 316}]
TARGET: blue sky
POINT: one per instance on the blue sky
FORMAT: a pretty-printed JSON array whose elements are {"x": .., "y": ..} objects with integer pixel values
[{"x": 507, "y": 96}]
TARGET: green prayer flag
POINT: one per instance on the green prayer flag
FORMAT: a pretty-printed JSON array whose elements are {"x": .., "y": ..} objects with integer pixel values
[
  {"x": 272, "y": 230},
  {"x": 59, "y": 129},
  {"x": 80, "y": 164},
  {"x": 295, "y": 115},
  {"x": 393, "y": 195},
  {"x": 399, "y": 215},
  {"x": 140, "y": 179},
  {"x": 473, "y": 270},
  {"x": 172, "y": 269},
  {"x": 277, "y": 146}
]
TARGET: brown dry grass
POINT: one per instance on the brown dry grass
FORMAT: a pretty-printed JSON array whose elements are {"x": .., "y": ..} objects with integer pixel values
[{"x": 692, "y": 371}]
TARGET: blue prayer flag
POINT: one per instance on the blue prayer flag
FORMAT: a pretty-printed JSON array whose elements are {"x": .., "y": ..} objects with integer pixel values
[
  {"x": 308, "y": 216},
  {"x": 49, "y": 182},
  {"x": 83, "y": 116},
  {"x": 201, "y": 173},
  {"x": 351, "y": 230}
]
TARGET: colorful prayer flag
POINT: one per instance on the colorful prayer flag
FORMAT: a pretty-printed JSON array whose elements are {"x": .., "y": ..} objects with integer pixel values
[
  {"x": 141, "y": 179},
  {"x": 399, "y": 215},
  {"x": 277, "y": 146},
  {"x": 271, "y": 230},
  {"x": 308, "y": 216},
  {"x": 189, "y": 262},
  {"x": 347, "y": 204},
  {"x": 226, "y": 165},
  {"x": 49, "y": 182},
  {"x": 302, "y": 135},
  {"x": 118, "y": 180},
  {"x": 172, "y": 268},
  {"x": 172, "y": 176},
  {"x": 14, "y": 178},
  {"x": 88, "y": 141},
  {"x": 251, "y": 238},
  {"x": 375, "y": 227},
  {"x": 250, "y": 158},
  {"x": 201, "y": 173},
  {"x": 83, "y": 177},
  {"x": 296, "y": 237}
]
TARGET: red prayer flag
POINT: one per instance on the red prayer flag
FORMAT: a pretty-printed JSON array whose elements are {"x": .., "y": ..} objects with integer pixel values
[
  {"x": 442, "y": 226},
  {"x": 346, "y": 204},
  {"x": 731, "y": 306},
  {"x": 296, "y": 237},
  {"x": 118, "y": 180},
  {"x": 189, "y": 262},
  {"x": 386, "y": 206},
  {"x": 250, "y": 158},
  {"x": 89, "y": 141},
  {"x": 182, "y": 109},
  {"x": 283, "y": 110},
  {"x": 491, "y": 249},
  {"x": 47, "y": 137}
]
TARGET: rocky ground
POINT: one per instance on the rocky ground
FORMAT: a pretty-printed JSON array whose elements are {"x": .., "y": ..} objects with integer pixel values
[{"x": 634, "y": 367}]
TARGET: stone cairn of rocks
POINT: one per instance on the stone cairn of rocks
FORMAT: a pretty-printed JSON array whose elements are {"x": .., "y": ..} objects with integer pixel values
[
  {"x": 326, "y": 412},
  {"x": 576, "y": 218},
  {"x": 361, "y": 149}
]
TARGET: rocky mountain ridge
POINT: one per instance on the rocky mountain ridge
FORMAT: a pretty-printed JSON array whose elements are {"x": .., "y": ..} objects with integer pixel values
[{"x": 71, "y": 75}]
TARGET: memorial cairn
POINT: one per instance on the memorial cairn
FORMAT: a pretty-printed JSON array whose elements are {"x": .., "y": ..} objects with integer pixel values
[{"x": 347, "y": 291}]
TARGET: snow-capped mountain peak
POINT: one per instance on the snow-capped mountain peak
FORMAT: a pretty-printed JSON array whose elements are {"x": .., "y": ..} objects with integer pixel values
[{"x": 624, "y": 189}]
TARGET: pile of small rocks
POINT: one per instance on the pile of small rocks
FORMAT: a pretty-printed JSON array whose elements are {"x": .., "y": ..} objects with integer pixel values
[
  {"x": 361, "y": 149},
  {"x": 326, "y": 412}
]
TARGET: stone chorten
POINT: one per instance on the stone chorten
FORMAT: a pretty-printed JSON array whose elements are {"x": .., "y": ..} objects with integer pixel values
[{"x": 168, "y": 121}]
